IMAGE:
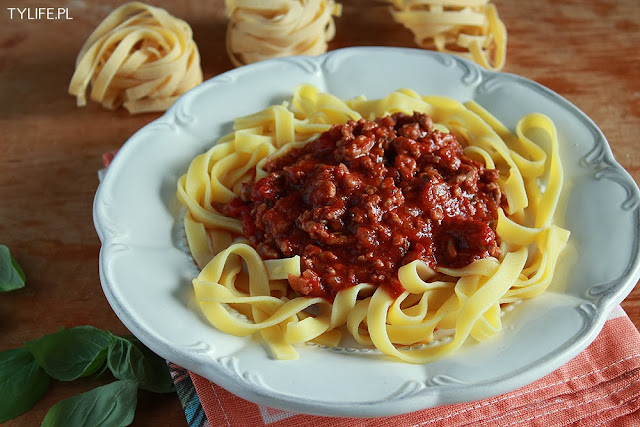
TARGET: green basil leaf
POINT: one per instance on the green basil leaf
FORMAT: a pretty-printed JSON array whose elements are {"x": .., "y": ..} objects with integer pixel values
[
  {"x": 129, "y": 359},
  {"x": 109, "y": 405},
  {"x": 71, "y": 353},
  {"x": 158, "y": 377},
  {"x": 22, "y": 383},
  {"x": 11, "y": 274}
]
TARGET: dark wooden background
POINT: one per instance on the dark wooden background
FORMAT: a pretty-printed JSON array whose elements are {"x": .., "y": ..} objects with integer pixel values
[{"x": 50, "y": 150}]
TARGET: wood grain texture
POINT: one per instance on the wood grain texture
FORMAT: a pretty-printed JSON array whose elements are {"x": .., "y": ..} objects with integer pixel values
[{"x": 50, "y": 150}]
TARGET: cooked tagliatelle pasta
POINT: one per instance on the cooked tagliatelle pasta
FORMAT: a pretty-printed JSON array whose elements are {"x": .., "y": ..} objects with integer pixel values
[
  {"x": 469, "y": 28},
  {"x": 261, "y": 29},
  {"x": 140, "y": 57},
  {"x": 287, "y": 278}
]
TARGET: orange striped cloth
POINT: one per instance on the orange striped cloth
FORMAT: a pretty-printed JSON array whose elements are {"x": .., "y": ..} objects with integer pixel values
[{"x": 599, "y": 387}]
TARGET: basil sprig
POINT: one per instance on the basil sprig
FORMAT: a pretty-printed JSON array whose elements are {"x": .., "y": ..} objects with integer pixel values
[{"x": 69, "y": 354}]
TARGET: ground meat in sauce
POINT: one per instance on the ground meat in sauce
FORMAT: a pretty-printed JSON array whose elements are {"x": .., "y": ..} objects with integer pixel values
[{"x": 368, "y": 197}]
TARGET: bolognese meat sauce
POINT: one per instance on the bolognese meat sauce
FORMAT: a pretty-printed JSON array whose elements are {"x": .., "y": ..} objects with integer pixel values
[{"x": 367, "y": 197}]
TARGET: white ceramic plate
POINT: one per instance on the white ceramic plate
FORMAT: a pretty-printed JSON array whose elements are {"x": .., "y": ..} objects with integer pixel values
[{"x": 146, "y": 273}]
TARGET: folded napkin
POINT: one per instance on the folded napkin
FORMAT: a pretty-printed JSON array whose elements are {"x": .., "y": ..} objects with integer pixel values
[{"x": 599, "y": 387}]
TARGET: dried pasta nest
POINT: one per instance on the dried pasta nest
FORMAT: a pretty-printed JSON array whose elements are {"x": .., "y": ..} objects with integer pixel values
[
  {"x": 261, "y": 29},
  {"x": 140, "y": 57},
  {"x": 468, "y": 28}
]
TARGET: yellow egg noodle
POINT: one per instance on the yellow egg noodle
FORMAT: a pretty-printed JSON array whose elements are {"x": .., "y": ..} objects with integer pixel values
[
  {"x": 469, "y": 28},
  {"x": 240, "y": 294},
  {"x": 140, "y": 57},
  {"x": 263, "y": 29}
]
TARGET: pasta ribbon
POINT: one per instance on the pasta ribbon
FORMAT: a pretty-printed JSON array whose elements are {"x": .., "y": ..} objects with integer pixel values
[
  {"x": 468, "y": 28},
  {"x": 440, "y": 308},
  {"x": 261, "y": 29},
  {"x": 139, "y": 57}
]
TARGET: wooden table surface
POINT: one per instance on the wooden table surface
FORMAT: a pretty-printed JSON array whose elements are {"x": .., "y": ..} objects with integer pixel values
[{"x": 50, "y": 150}]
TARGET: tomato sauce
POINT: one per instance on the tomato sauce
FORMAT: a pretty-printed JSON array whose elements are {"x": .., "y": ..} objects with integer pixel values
[{"x": 367, "y": 197}]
